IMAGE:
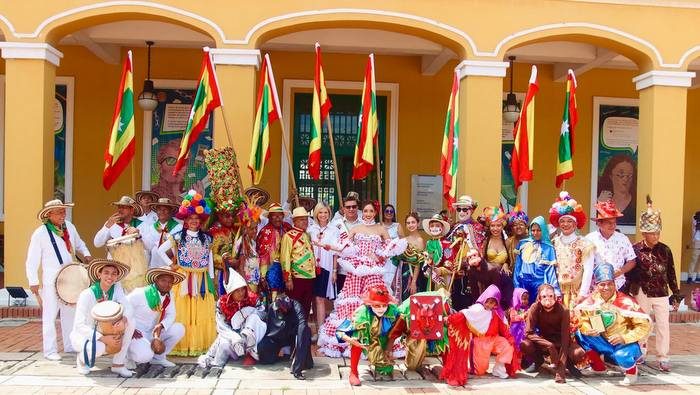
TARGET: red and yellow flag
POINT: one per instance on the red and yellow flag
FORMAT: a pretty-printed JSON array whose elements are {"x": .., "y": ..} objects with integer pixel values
[
  {"x": 267, "y": 112},
  {"x": 449, "y": 162},
  {"x": 521, "y": 163},
  {"x": 205, "y": 101},
  {"x": 320, "y": 108},
  {"x": 121, "y": 145},
  {"x": 368, "y": 127},
  {"x": 565, "y": 158}
]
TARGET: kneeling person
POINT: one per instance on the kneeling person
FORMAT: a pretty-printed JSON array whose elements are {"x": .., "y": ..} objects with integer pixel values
[
  {"x": 156, "y": 333},
  {"x": 90, "y": 342},
  {"x": 238, "y": 325}
]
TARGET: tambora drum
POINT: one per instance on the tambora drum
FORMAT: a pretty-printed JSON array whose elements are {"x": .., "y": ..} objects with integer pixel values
[
  {"x": 109, "y": 320},
  {"x": 130, "y": 250},
  {"x": 70, "y": 281}
]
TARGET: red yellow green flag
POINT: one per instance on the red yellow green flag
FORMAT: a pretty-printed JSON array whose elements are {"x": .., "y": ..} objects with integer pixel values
[
  {"x": 267, "y": 112},
  {"x": 121, "y": 145},
  {"x": 205, "y": 101},
  {"x": 521, "y": 163},
  {"x": 320, "y": 108},
  {"x": 450, "y": 150},
  {"x": 367, "y": 130},
  {"x": 565, "y": 160}
]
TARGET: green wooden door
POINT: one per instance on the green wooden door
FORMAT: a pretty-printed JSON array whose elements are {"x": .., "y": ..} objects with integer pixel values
[{"x": 344, "y": 118}]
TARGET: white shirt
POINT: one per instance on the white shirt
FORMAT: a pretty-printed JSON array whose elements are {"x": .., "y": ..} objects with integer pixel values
[
  {"x": 150, "y": 216},
  {"x": 105, "y": 234},
  {"x": 330, "y": 236},
  {"x": 343, "y": 226},
  {"x": 41, "y": 253},
  {"x": 616, "y": 250},
  {"x": 84, "y": 323},
  {"x": 151, "y": 237},
  {"x": 145, "y": 319}
]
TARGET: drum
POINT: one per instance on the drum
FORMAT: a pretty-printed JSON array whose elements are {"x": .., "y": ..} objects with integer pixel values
[
  {"x": 71, "y": 280},
  {"x": 130, "y": 250},
  {"x": 109, "y": 319},
  {"x": 157, "y": 346}
]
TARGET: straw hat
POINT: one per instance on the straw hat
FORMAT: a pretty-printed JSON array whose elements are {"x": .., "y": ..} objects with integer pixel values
[
  {"x": 128, "y": 201},
  {"x": 52, "y": 205},
  {"x": 436, "y": 218},
  {"x": 153, "y": 274},
  {"x": 257, "y": 195},
  {"x": 300, "y": 212},
  {"x": 153, "y": 195},
  {"x": 274, "y": 208},
  {"x": 235, "y": 281},
  {"x": 164, "y": 202},
  {"x": 606, "y": 210},
  {"x": 650, "y": 219},
  {"x": 97, "y": 264},
  {"x": 465, "y": 201}
]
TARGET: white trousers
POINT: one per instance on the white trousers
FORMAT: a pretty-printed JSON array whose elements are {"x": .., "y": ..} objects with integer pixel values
[
  {"x": 389, "y": 274},
  {"x": 657, "y": 308},
  {"x": 236, "y": 344},
  {"x": 50, "y": 309},
  {"x": 118, "y": 359},
  {"x": 140, "y": 349}
]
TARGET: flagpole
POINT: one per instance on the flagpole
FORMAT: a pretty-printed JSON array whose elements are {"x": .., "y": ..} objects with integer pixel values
[
  {"x": 285, "y": 148},
  {"x": 133, "y": 178},
  {"x": 335, "y": 160},
  {"x": 379, "y": 180}
]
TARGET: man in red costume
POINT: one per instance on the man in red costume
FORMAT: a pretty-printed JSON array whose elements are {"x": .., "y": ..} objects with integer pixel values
[{"x": 268, "y": 247}]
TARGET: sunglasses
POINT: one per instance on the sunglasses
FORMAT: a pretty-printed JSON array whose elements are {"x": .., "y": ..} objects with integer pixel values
[
  {"x": 389, "y": 211},
  {"x": 354, "y": 206},
  {"x": 463, "y": 209}
]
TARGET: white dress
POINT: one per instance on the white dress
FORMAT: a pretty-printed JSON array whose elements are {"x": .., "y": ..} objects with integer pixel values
[
  {"x": 325, "y": 235},
  {"x": 389, "y": 266}
]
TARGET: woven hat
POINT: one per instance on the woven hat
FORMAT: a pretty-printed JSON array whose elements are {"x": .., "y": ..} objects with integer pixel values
[
  {"x": 257, "y": 195},
  {"x": 97, "y": 264},
  {"x": 567, "y": 206},
  {"x": 164, "y": 202},
  {"x": 153, "y": 274},
  {"x": 300, "y": 212},
  {"x": 153, "y": 195},
  {"x": 604, "y": 272},
  {"x": 235, "y": 281},
  {"x": 650, "y": 219},
  {"x": 377, "y": 294},
  {"x": 274, "y": 208},
  {"x": 52, "y": 205},
  {"x": 128, "y": 201},
  {"x": 436, "y": 218},
  {"x": 465, "y": 201},
  {"x": 606, "y": 210}
]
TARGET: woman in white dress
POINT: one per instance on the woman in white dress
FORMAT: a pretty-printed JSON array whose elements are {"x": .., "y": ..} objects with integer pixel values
[{"x": 394, "y": 230}]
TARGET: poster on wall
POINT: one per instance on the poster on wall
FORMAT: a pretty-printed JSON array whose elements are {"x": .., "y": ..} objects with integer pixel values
[
  {"x": 615, "y": 156},
  {"x": 509, "y": 197},
  {"x": 60, "y": 103},
  {"x": 426, "y": 195},
  {"x": 168, "y": 124}
]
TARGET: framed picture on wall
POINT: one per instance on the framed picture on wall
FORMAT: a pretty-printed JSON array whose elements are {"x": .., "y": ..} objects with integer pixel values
[{"x": 615, "y": 157}]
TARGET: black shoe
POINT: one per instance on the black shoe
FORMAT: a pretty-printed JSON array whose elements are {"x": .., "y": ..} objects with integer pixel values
[
  {"x": 574, "y": 371},
  {"x": 534, "y": 368},
  {"x": 299, "y": 376}
]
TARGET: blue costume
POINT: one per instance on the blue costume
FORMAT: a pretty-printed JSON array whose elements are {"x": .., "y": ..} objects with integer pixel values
[{"x": 535, "y": 262}]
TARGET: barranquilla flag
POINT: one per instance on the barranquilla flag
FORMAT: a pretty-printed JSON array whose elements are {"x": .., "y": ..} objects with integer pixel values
[
  {"x": 368, "y": 128},
  {"x": 205, "y": 101},
  {"x": 121, "y": 145},
  {"x": 521, "y": 163},
  {"x": 565, "y": 159},
  {"x": 320, "y": 108},
  {"x": 267, "y": 112},
  {"x": 450, "y": 150}
]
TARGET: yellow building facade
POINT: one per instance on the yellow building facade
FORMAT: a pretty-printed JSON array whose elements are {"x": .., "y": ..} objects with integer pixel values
[{"x": 642, "y": 51}]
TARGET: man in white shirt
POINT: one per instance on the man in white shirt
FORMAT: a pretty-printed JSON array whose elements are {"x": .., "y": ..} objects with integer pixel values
[
  {"x": 53, "y": 244},
  {"x": 153, "y": 309},
  {"x": 165, "y": 226},
  {"x": 344, "y": 223},
  {"x": 145, "y": 199},
  {"x": 611, "y": 246},
  {"x": 123, "y": 222}
]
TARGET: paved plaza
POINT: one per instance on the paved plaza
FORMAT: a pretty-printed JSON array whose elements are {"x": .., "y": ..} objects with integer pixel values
[{"x": 24, "y": 371}]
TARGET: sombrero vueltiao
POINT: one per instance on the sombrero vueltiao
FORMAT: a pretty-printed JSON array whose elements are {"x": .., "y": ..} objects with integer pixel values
[
  {"x": 52, "y": 205},
  {"x": 436, "y": 218},
  {"x": 275, "y": 208},
  {"x": 258, "y": 196},
  {"x": 164, "y": 202},
  {"x": 152, "y": 274},
  {"x": 154, "y": 195},
  {"x": 128, "y": 201},
  {"x": 97, "y": 264}
]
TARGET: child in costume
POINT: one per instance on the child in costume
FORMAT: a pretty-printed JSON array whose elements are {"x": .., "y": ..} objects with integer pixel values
[
  {"x": 368, "y": 332},
  {"x": 517, "y": 315}
]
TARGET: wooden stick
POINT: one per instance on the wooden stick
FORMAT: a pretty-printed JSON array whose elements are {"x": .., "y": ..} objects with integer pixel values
[
  {"x": 379, "y": 179},
  {"x": 335, "y": 161},
  {"x": 285, "y": 148},
  {"x": 133, "y": 178}
]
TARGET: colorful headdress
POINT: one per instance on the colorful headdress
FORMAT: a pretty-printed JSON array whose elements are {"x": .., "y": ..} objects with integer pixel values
[
  {"x": 194, "y": 203},
  {"x": 567, "y": 206},
  {"x": 604, "y": 272},
  {"x": 224, "y": 174},
  {"x": 494, "y": 214},
  {"x": 249, "y": 212},
  {"x": 518, "y": 215},
  {"x": 606, "y": 210},
  {"x": 650, "y": 220},
  {"x": 377, "y": 294}
]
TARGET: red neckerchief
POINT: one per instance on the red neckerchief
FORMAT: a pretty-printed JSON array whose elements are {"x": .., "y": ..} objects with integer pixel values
[{"x": 229, "y": 306}]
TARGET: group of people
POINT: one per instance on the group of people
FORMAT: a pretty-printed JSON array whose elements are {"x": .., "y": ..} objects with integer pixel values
[{"x": 233, "y": 281}]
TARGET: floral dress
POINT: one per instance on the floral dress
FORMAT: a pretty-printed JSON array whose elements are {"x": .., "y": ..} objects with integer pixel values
[{"x": 363, "y": 261}]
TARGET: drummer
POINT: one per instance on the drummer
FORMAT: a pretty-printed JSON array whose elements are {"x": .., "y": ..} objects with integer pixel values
[
  {"x": 145, "y": 199},
  {"x": 154, "y": 314},
  {"x": 52, "y": 245},
  {"x": 165, "y": 226},
  {"x": 123, "y": 222},
  {"x": 105, "y": 275}
]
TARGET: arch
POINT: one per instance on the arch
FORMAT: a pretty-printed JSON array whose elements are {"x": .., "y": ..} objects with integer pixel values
[
  {"x": 6, "y": 27},
  {"x": 455, "y": 39},
  {"x": 58, "y": 25},
  {"x": 639, "y": 50},
  {"x": 688, "y": 56}
]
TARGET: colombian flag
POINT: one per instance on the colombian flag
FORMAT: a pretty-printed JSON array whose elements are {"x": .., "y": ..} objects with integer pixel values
[{"x": 367, "y": 130}]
